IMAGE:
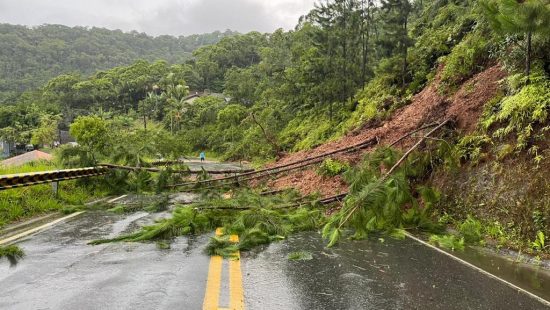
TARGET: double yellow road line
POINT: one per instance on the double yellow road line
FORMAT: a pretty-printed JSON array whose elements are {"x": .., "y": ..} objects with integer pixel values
[{"x": 213, "y": 284}]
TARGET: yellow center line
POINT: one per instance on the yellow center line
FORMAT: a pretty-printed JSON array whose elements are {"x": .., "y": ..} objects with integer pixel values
[
  {"x": 212, "y": 295},
  {"x": 236, "y": 292},
  {"x": 213, "y": 283}
]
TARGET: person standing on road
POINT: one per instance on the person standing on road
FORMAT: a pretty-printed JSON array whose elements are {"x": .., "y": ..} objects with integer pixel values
[{"x": 202, "y": 156}]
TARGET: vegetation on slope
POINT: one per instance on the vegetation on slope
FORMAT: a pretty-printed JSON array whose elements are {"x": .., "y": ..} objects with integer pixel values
[{"x": 29, "y": 57}]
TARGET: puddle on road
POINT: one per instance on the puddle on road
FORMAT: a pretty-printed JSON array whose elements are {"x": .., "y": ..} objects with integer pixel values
[
  {"x": 531, "y": 278},
  {"x": 395, "y": 274},
  {"x": 122, "y": 225}
]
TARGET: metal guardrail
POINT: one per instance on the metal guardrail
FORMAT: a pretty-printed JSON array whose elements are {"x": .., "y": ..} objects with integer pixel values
[{"x": 34, "y": 178}]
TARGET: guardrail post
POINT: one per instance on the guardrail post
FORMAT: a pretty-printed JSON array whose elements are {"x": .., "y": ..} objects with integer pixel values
[{"x": 55, "y": 188}]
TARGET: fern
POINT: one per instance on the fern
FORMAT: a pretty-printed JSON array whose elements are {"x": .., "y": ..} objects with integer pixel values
[
  {"x": 450, "y": 242},
  {"x": 538, "y": 244},
  {"x": 471, "y": 230},
  {"x": 331, "y": 167},
  {"x": 382, "y": 204},
  {"x": 524, "y": 113}
]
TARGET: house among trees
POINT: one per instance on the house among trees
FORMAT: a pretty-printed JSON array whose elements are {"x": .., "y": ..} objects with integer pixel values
[{"x": 6, "y": 149}]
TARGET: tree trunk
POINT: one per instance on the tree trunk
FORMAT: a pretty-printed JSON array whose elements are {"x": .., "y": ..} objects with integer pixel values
[
  {"x": 405, "y": 50},
  {"x": 365, "y": 33},
  {"x": 528, "y": 57},
  {"x": 171, "y": 122},
  {"x": 269, "y": 139}
]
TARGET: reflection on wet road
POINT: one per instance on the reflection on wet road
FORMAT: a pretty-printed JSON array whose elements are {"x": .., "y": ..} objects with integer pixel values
[
  {"x": 62, "y": 272},
  {"x": 196, "y": 165},
  {"x": 395, "y": 274}
]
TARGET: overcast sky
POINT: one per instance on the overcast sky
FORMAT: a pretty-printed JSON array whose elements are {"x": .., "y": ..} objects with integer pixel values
[{"x": 156, "y": 17}]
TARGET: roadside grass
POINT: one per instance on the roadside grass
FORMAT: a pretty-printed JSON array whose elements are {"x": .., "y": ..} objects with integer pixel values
[
  {"x": 25, "y": 202},
  {"x": 29, "y": 167},
  {"x": 449, "y": 242}
]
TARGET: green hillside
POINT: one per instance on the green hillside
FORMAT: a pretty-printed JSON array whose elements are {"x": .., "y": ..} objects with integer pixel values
[{"x": 29, "y": 57}]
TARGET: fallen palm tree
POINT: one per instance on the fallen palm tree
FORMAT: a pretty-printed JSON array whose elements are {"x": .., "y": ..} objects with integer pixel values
[
  {"x": 188, "y": 171},
  {"x": 259, "y": 218},
  {"x": 255, "y": 218},
  {"x": 12, "y": 253},
  {"x": 375, "y": 199}
]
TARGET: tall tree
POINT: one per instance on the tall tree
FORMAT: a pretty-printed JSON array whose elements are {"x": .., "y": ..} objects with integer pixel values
[
  {"x": 395, "y": 14},
  {"x": 525, "y": 17}
]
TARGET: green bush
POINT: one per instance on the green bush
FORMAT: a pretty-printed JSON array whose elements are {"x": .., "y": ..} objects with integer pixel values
[
  {"x": 307, "y": 131},
  {"x": 470, "y": 148},
  {"x": 466, "y": 58},
  {"x": 471, "y": 230},
  {"x": 436, "y": 32},
  {"x": 524, "y": 113},
  {"x": 373, "y": 103},
  {"x": 449, "y": 242},
  {"x": 332, "y": 167}
]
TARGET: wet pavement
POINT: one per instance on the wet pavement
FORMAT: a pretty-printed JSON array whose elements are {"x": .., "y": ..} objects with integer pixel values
[
  {"x": 62, "y": 272},
  {"x": 195, "y": 165},
  {"x": 369, "y": 274}
]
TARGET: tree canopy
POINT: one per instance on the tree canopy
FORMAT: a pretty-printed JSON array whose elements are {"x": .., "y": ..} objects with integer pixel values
[{"x": 31, "y": 56}]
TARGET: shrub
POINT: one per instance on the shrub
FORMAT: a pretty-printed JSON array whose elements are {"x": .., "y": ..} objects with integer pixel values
[
  {"x": 373, "y": 102},
  {"x": 470, "y": 148},
  {"x": 524, "y": 113},
  {"x": 450, "y": 242},
  {"x": 332, "y": 167},
  {"x": 471, "y": 230},
  {"x": 466, "y": 58}
]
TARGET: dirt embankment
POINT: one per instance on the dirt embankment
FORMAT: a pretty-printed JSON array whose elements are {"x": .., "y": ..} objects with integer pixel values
[
  {"x": 465, "y": 107},
  {"x": 513, "y": 192}
]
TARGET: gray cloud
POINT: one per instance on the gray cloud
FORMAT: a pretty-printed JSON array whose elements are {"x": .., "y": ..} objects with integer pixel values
[{"x": 174, "y": 17}]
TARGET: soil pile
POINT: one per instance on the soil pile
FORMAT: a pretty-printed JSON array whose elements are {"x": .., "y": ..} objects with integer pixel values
[{"x": 430, "y": 105}]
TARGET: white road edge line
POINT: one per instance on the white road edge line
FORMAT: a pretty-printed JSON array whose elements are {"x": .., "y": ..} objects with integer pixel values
[
  {"x": 115, "y": 199},
  {"x": 542, "y": 300},
  {"x": 39, "y": 228}
]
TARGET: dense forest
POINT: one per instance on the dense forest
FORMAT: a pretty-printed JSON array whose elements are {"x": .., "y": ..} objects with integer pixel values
[
  {"x": 29, "y": 57},
  {"x": 346, "y": 63},
  {"x": 349, "y": 65}
]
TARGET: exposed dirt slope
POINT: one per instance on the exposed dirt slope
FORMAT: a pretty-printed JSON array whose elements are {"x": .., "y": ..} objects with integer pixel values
[
  {"x": 465, "y": 107},
  {"x": 26, "y": 158}
]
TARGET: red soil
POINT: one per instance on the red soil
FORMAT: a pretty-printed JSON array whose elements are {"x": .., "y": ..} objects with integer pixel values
[
  {"x": 26, "y": 158},
  {"x": 428, "y": 106}
]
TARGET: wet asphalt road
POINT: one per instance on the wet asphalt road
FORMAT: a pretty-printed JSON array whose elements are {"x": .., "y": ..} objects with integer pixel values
[
  {"x": 196, "y": 165},
  {"x": 62, "y": 272},
  {"x": 395, "y": 274}
]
